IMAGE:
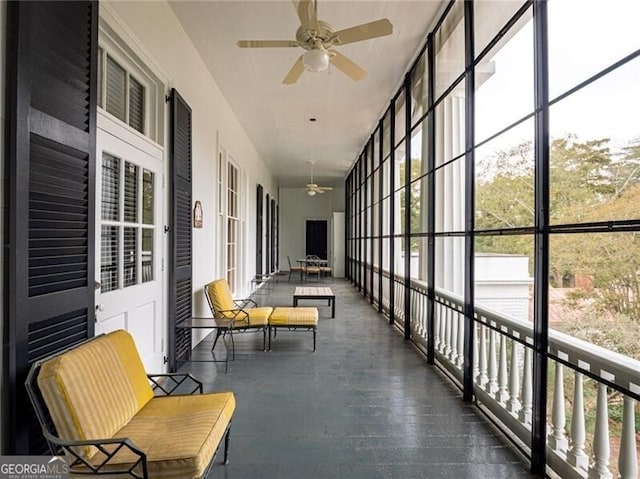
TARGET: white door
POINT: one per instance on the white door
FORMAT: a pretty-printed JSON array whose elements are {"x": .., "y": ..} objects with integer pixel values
[{"x": 129, "y": 241}]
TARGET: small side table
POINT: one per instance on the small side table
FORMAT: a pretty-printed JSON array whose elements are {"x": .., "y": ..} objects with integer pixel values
[
  {"x": 221, "y": 326},
  {"x": 303, "y": 292}
]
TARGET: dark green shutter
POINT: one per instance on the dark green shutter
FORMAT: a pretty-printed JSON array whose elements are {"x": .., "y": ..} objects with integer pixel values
[
  {"x": 51, "y": 99},
  {"x": 259, "y": 228},
  {"x": 272, "y": 235},
  {"x": 180, "y": 288}
]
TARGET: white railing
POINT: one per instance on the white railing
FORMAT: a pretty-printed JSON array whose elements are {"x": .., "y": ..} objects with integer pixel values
[{"x": 503, "y": 376}]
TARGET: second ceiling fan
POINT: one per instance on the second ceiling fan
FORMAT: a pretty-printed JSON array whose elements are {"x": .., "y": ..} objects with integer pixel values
[
  {"x": 318, "y": 39},
  {"x": 312, "y": 186}
]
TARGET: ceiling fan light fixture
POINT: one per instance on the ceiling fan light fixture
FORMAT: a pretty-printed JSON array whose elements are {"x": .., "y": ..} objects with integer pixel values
[
  {"x": 311, "y": 193},
  {"x": 316, "y": 60}
]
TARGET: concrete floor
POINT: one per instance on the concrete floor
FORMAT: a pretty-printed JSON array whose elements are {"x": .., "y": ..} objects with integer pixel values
[{"x": 364, "y": 405}]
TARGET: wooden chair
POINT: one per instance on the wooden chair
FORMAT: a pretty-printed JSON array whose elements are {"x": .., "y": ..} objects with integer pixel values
[
  {"x": 295, "y": 269},
  {"x": 244, "y": 313}
]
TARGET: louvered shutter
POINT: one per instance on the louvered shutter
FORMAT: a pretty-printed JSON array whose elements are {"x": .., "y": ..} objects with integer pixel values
[
  {"x": 180, "y": 291},
  {"x": 52, "y": 77},
  {"x": 268, "y": 237},
  {"x": 259, "y": 228},
  {"x": 272, "y": 234}
]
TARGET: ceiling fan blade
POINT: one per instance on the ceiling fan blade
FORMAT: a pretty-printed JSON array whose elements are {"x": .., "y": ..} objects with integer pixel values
[
  {"x": 295, "y": 72},
  {"x": 379, "y": 28},
  {"x": 353, "y": 71},
  {"x": 307, "y": 13},
  {"x": 267, "y": 43}
]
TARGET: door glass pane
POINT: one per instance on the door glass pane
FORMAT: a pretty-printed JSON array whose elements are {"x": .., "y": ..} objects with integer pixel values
[
  {"x": 129, "y": 262},
  {"x": 130, "y": 192},
  {"x": 116, "y": 89},
  {"x": 147, "y": 197},
  {"x": 109, "y": 258},
  {"x": 147, "y": 254},
  {"x": 110, "y": 175}
]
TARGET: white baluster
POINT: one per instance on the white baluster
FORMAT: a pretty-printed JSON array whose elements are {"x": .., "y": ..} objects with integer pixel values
[
  {"x": 527, "y": 387},
  {"x": 455, "y": 352},
  {"x": 558, "y": 439},
  {"x": 599, "y": 469},
  {"x": 576, "y": 455},
  {"x": 503, "y": 393},
  {"x": 513, "y": 404},
  {"x": 483, "y": 377},
  {"x": 437, "y": 310},
  {"x": 443, "y": 325},
  {"x": 447, "y": 333},
  {"x": 460, "y": 358},
  {"x": 628, "y": 459},
  {"x": 493, "y": 366}
]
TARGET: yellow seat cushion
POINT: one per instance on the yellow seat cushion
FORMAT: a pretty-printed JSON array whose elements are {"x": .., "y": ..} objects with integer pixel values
[
  {"x": 179, "y": 434},
  {"x": 96, "y": 388},
  {"x": 257, "y": 316},
  {"x": 294, "y": 317}
]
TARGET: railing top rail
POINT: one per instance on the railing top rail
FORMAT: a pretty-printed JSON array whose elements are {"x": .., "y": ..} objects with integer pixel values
[{"x": 608, "y": 365}]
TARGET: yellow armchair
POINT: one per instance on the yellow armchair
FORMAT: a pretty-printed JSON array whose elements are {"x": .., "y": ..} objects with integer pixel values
[{"x": 244, "y": 314}]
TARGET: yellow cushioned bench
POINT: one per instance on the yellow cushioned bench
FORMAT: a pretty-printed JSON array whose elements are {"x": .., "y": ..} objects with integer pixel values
[
  {"x": 111, "y": 417},
  {"x": 294, "y": 318}
]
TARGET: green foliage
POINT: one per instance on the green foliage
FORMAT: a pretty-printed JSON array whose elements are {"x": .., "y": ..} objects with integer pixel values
[
  {"x": 416, "y": 213},
  {"x": 588, "y": 183},
  {"x": 617, "y": 333},
  {"x": 616, "y": 411}
]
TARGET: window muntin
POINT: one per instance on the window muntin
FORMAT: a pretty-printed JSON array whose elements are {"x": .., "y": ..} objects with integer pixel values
[
  {"x": 232, "y": 224},
  {"x": 127, "y": 244}
]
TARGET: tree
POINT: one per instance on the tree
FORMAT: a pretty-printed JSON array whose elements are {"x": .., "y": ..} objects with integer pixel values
[
  {"x": 588, "y": 183},
  {"x": 414, "y": 199}
]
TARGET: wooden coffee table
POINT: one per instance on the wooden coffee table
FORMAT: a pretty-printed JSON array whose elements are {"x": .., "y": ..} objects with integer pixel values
[{"x": 303, "y": 292}]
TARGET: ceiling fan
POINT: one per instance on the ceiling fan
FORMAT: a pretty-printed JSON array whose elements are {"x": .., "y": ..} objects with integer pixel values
[
  {"x": 318, "y": 39},
  {"x": 312, "y": 187}
]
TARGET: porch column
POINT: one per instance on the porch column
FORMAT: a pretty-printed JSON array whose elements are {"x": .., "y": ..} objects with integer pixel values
[{"x": 450, "y": 194}]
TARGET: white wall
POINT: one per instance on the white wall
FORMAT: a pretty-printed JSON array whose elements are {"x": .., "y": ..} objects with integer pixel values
[
  {"x": 502, "y": 283},
  {"x": 158, "y": 31},
  {"x": 296, "y": 206}
]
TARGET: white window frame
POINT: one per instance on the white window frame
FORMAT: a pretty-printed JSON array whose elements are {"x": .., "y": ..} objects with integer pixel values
[
  {"x": 111, "y": 44},
  {"x": 236, "y": 264}
]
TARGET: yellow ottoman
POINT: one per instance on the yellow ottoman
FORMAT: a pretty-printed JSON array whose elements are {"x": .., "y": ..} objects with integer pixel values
[{"x": 294, "y": 318}]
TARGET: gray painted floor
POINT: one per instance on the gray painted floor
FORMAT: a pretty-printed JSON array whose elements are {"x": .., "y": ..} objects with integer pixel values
[{"x": 364, "y": 405}]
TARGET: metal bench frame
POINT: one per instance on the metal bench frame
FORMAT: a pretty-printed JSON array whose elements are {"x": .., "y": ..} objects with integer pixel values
[{"x": 162, "y": 385}]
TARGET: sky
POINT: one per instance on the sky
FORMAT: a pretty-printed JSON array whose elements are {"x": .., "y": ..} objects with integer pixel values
[{"x": 585, "y": 36}]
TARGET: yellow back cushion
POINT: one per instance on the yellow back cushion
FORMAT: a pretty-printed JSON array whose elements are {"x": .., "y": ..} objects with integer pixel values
[
  {"x": 220, "y": 296},
  {"x": 95, "y": 389}
]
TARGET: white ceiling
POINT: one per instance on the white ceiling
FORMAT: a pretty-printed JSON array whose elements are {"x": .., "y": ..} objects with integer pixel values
[{"x": 276, "y": 116}]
